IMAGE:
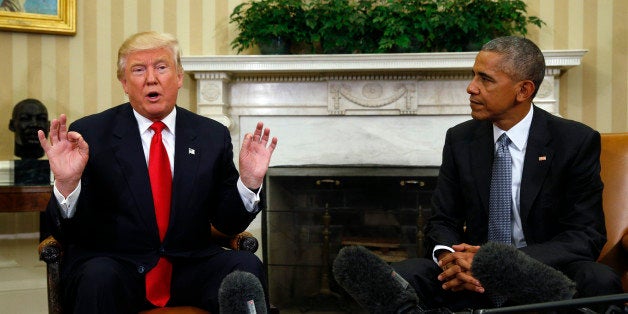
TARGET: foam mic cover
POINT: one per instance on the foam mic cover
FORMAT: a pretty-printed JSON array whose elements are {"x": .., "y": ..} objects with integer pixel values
[
  {"x": 504, "y": 270},
  {"x": 372, "y": 282},
  {"x": 241, "y": 292}
]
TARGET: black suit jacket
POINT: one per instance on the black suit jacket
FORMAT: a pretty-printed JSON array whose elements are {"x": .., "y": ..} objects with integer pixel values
[
  {"x": 115, "y": 214},
  {"x": 561, "y": 189}
]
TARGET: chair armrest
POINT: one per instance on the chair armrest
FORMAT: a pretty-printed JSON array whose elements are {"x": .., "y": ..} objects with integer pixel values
[
  {"x": 244, "y": 241},
  {"x": 50, "y": 251}
]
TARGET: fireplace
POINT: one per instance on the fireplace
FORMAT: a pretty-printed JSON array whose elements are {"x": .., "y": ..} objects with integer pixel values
[
  {"x": 315, "y": 211},
  {"x": 374, "y": 121}
]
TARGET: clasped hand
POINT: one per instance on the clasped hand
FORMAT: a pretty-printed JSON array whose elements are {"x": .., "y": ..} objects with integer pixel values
[{"x": 456, "y": 275}]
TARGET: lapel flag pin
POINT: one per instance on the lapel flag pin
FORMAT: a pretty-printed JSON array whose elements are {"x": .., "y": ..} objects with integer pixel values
[
  {"x": 191, "y": 151},
  {"x": 542, "y": 158}
]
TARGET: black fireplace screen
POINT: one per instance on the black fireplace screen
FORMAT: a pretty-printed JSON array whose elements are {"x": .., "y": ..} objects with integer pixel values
[{"x": 313, "y": 213}]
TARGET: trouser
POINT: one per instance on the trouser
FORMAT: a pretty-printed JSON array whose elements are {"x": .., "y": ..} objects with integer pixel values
[{"x": 108, "y": 285}]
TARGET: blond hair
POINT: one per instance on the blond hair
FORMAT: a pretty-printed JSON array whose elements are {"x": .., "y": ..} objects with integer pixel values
[{"x": 148, "y": 41}]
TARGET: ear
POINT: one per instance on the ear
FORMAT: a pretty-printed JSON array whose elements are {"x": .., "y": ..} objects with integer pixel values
[
  {"x": 180, "y": 79},
  {"x": 11, "y": 127},
  {"x": 525, "y": 90},
  {"x": 123, "y": 82}
]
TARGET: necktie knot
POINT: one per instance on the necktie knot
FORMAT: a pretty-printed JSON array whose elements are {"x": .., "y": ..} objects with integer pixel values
[
  {"x": 503, "y": 140},
  {"x": 158, "y": 126}
]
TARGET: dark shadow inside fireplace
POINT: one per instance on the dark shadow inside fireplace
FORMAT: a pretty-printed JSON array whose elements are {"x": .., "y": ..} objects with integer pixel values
[{"x": 314, "y": 211}]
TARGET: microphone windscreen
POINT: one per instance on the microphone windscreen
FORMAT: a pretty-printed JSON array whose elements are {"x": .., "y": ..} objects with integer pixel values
[
  {"x": 372, "y": 282},
  {"x": 504, "y": 270},
  {"x": 241, "y": 292}
]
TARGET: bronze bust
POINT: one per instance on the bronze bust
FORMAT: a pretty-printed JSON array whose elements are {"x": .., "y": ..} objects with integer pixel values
[{"x": 29, "y": 116}]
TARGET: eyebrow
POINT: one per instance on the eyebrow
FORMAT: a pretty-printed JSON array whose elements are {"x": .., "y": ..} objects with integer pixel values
[{"x": 157, "y": 61}]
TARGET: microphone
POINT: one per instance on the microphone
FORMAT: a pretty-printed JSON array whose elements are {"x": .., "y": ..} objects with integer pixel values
[
  {"x": 504, "y": 270},
  {"x": 241, "y": 292},
  {"x": 373, "y": 283}
]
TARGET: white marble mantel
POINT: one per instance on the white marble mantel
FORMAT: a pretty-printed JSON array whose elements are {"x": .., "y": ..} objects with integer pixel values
[{"x": 351, "y": 109}]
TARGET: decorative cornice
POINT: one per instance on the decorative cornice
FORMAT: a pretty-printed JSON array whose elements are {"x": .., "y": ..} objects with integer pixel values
[{"x": 355, "y": 63}]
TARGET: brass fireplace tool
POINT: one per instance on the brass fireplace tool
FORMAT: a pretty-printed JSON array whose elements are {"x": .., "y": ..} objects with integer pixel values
[{"x": 325, "y": 296}]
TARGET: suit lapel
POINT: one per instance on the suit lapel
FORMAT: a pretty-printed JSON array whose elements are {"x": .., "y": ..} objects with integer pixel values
[
  {"x": 482, "y": 160},
  {"x": 186, "y": 162},
  {"x": 130, "y": 157},
  {"x": 537, "y": 162}
]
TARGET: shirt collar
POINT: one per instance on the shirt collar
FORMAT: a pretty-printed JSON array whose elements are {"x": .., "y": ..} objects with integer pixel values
[
  {"x": 518, "y": 134},
  {"x": 144, "y": 123}
]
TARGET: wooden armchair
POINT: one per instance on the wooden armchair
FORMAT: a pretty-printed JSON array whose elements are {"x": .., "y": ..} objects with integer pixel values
[
  {"x": 614, "y": 161},
  {"x": 51, "y": 252}
]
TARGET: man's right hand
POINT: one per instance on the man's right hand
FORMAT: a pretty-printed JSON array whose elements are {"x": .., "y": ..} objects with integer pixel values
[{"x": 67, "y": 154}]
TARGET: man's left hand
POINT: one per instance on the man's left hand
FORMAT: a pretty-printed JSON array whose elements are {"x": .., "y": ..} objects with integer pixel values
[{"x": 257, "y": 148}]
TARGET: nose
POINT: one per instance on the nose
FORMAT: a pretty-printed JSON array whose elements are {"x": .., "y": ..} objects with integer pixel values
[
  {"x": 472, "y": 88},
  {"x": 150, "y": 76}
]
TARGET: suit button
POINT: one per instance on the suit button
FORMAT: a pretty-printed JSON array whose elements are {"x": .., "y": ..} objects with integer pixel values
[
  {"x": 162, "y": 251},
  {"x": 141, "y": 269}
]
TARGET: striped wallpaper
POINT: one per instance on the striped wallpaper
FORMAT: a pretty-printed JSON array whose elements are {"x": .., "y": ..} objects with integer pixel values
[{"x": 76, "y": 74}]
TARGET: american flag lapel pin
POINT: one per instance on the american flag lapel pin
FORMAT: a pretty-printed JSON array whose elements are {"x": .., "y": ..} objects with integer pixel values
[
  {"x": 191, "y": 151},
  {"x": 542, "y": 158}
]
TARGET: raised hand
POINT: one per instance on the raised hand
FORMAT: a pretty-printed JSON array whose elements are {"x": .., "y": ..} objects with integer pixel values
[
  {"x": 67, "y": 154},
  {"x": 255, "y": 156}
]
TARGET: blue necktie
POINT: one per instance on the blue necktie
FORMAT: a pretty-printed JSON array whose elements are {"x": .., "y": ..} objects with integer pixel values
[{"x": 500, "y": 201}]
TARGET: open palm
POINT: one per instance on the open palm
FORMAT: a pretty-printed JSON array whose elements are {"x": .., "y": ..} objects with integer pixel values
[{"x": 257, "y": 149}]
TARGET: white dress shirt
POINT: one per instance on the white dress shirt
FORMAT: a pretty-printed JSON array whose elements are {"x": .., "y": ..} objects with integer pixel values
[
  {"x": 68, "y": 205},
  {"x": 518, "y": 135}
]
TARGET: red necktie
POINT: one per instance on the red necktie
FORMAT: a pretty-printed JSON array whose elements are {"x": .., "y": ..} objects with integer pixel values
[{"x": 158, "y": 278}]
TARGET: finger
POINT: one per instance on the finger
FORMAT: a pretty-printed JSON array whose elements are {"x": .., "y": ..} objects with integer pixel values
[
  {"x": 258, "y": 130},
  {"x": 448, "y": 258},
  {"x": 273, "y": 145},
  {"x": 450, "y": 271},
  {"x": 63, "y": 129},
  {"x": 472, "y": 287},
  {"x": 43, "y": 141},
  {"x": 463, "y": 263},
  {"x": 77, "y": 138},
  {"x": 466, "y": 278},
  {"x": 54, "y": 131},
  {"x": 451, "y": 284},
  {"x": 265, "y": 136},
  {"x": 247, "y": 140}
]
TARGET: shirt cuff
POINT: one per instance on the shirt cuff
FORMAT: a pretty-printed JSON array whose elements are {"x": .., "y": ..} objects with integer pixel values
[
  {"x": 67, "y": 205},
  {"x": 249, "y": 198},
  {"x": 440, "y": 248}
]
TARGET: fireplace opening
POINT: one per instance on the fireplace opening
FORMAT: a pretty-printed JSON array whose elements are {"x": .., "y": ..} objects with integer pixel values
[{"x": 312, "y": 212}]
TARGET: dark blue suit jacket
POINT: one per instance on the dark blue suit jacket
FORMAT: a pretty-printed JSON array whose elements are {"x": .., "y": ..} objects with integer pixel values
[
  {"x": 561, "y": 189},
  {"x": 115, "y": 213}
]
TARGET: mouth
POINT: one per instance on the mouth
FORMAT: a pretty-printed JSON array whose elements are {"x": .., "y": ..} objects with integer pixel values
[
  {"x": 30, "y": 136},
  {"x": 153, "y": 96},
  {"x": 474, "y": 102}
]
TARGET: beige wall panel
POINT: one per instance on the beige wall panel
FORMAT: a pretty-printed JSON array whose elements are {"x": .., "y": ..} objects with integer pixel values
[
  {"x": 571, "y": 82},
  {"x": 619, "y": 78},
  {"x": 604, "y": 66}
]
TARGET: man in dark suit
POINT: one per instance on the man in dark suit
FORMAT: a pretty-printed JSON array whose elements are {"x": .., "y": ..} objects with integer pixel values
[
  {"x": 105, "y": 199},
  {"x": 554, "y": 191},
  {"x": 556, "y": 201}
]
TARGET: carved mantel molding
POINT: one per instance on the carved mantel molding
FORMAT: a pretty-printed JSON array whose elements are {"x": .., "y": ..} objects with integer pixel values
[{"x": 364, "y": 84}]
